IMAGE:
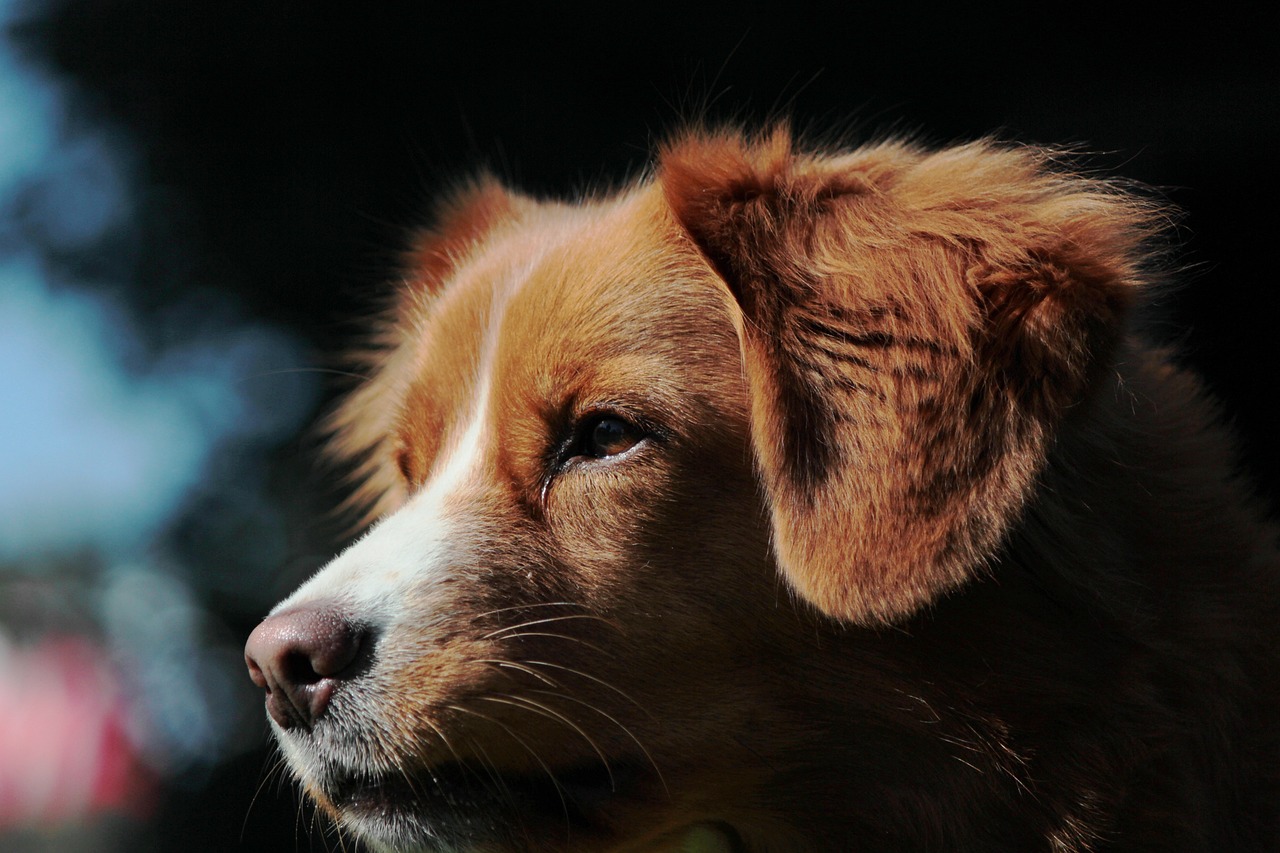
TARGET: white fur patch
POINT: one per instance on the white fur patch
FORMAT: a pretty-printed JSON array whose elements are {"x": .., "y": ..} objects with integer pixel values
[{"x": 411, "y": 548}]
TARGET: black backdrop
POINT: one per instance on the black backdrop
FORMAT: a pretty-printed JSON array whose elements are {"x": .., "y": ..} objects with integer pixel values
[{"x": 282, "y": 147}]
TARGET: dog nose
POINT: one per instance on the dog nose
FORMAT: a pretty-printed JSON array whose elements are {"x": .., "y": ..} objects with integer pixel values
[{"x": 300, "y": 656}]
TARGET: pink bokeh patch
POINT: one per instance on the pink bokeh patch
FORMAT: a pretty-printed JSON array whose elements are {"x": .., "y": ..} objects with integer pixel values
[{"x": 65, "y": 750}]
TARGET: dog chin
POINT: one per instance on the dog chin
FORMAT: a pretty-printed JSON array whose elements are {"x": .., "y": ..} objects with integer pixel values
[
  {"x": 456, "y": 808},
  {"x": 397, "y": 813}
]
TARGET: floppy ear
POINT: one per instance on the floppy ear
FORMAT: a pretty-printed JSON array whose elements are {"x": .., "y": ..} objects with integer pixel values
[
  {"x": 359, "y": 429},
  {"x": 914, "y": 328}
]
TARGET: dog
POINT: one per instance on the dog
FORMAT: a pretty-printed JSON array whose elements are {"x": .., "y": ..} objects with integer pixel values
[{"x": 788, "y": 499}]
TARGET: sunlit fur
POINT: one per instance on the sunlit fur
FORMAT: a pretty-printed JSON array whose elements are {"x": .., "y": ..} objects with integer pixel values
[{"x": 923, "y": 547}]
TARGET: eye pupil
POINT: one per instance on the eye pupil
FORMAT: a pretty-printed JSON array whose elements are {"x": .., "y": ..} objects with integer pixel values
[{"x": 610, "y": 436}]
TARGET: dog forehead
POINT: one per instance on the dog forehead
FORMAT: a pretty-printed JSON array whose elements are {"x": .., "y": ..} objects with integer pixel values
[
  {"x": 622, "y": 287},
  {"x": 575, "y": 288},
  {"x": 590, "y": 305}
]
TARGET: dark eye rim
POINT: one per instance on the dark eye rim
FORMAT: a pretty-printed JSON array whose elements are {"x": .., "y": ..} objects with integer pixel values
[
  {"x": 628, "y": 434},
  {"x": 572, "y": 450},
  {"x": 564, "y": 457}
]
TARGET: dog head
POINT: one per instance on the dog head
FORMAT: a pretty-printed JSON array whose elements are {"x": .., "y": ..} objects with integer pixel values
[{"x": 633, "y": 458}]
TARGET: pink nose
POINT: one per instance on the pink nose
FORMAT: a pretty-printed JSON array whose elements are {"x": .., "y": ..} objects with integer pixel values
[{"x": 300, "y": 656}]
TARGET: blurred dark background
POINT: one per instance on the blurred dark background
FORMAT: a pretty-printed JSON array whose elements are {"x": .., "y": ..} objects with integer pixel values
[{"x": 199, "y": 200}]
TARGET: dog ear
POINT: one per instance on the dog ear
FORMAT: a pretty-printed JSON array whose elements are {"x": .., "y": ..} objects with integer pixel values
[
  {"x": 914, "y": 327},
  {"x": 359, "y": 429},
  {"x": 460, "y": 223}
]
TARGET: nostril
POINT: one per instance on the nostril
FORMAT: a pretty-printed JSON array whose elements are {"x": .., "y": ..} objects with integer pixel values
[
  {"x": 296, "y": 667},
  {"x": 299, "y": 657},
  {"x": 255, "y": 672}
]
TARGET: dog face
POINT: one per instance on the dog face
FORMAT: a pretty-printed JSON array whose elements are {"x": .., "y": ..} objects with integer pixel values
[
  {"x": 654, "y": 474},
  {"x": 570, "y": 433}
]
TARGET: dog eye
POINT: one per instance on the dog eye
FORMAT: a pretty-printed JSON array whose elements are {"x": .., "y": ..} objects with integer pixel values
[{"x": 607, "y": 436}]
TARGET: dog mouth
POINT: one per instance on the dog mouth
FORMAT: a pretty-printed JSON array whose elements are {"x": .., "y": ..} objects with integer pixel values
[{"x": 458, "y": 806}]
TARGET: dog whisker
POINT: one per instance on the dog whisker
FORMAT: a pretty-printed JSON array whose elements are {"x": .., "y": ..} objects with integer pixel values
[
  {"x": 536, "y": 604},
  {"x": 962, "y": 743},
  {"x": 465, "y": 765},
  {"x": 506, "y": 664},
  {"x": 331, "y": 831},
  {"x": 448, "y": 745},
  {"x": 589, "y": 645},
  {"x": 339, "y": 835},
  {"x": 551, "y": 714},
  {"x": 276, "y": 771},
  {"x": 572, "y": 698},
  {"x": 969, "y": 764},
  {"x": 532, "y": 752},
  {"x": 625, "y": 730},
  {"x": 591, "y": 616},
  {"x": 305, "y": 822},
  {"x": 590, "y": 677},
  {"x": 486, "y": 763},
  {"x": 329, "y": 371},
  {"x": 299, "y": 819}
]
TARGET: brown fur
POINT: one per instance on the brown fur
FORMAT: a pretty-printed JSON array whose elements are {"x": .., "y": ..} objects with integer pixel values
[{"x": 1030, "y": 606}]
